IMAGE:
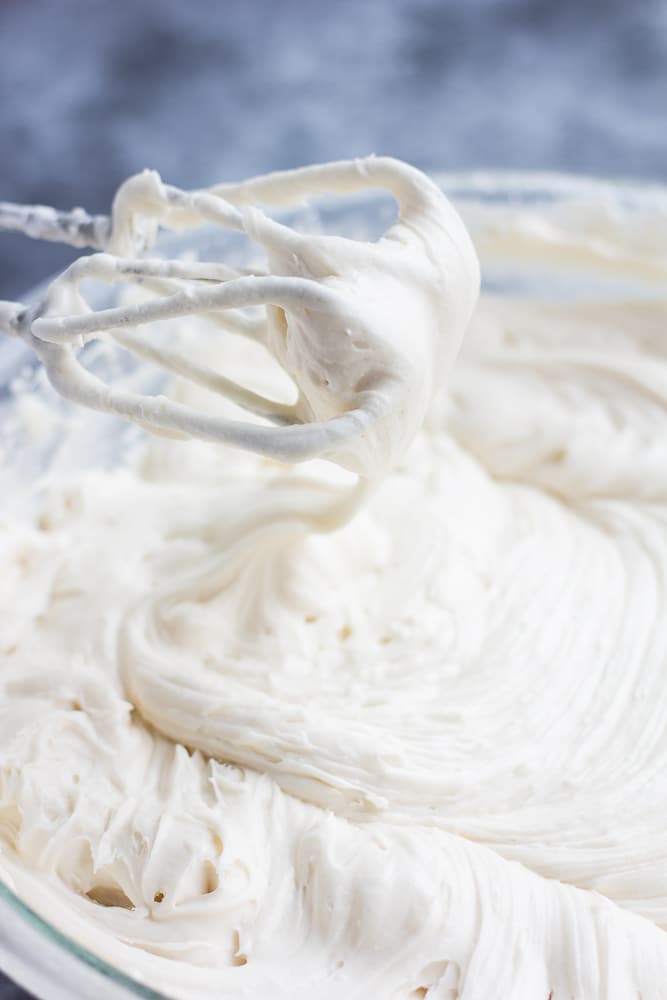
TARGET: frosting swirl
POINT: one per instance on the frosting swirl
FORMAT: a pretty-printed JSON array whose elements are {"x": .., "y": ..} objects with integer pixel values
[{"x": 417, "y": 754}]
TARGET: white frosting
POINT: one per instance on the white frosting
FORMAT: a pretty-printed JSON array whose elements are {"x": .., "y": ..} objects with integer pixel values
[
  {"x": 367, "y": 331},
  {"x": 427, "y": 750}
]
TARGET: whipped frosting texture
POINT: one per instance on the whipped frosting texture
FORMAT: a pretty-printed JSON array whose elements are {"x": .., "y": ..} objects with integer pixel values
[{"x": 249, "y": 748}]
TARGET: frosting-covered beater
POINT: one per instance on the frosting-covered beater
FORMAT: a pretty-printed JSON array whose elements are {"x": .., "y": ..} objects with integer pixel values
[{"x": 366, "y": 331}]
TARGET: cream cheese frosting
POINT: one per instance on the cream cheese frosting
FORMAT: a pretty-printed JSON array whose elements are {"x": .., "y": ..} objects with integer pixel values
[
  {"x": 249, "y": 750},
  {"x": 365, "y": 330}
]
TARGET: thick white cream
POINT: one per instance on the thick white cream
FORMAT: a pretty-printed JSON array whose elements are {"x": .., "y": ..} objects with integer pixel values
[
  {"x": 426, "y": 751},
  {"x": 367, "y": 331}
]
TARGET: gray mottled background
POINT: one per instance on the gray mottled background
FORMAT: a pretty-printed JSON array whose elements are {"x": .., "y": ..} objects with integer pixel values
[{"x": 91, "y": 91}]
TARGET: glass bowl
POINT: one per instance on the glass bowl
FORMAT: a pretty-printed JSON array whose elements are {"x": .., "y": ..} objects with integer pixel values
[{"x": 520, "y": 223}]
